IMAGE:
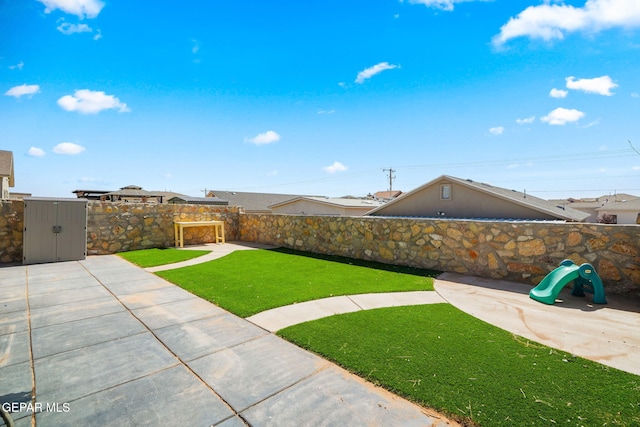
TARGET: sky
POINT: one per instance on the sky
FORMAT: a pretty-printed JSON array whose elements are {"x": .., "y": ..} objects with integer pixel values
[{"x": 321, "y": 98}]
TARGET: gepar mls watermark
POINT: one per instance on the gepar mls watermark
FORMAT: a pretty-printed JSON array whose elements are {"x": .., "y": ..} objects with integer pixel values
[{"x": 37, "y": 407}]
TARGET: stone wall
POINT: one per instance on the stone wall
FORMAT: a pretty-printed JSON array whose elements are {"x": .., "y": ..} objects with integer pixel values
[
  {"x": 11, "y": 226},
  {"x": 120, "y": 227},
  {"x": 517, "y": 251}
]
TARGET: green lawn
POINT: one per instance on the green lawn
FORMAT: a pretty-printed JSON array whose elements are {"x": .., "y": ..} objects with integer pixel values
[
  {"x": 443, "y": 358},
  {"x": 154, "y": 257},
  {"x": 248, "y": 282}
]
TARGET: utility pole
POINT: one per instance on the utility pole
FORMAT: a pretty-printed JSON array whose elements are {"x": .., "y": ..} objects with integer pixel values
[{"x": 391, "y": 177}]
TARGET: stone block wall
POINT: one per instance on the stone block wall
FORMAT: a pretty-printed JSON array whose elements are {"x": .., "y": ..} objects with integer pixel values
[
  {"x": 120, "y": 227},
  {"x": 517, "y": 251},
  {"x": 11, "y": 226}
]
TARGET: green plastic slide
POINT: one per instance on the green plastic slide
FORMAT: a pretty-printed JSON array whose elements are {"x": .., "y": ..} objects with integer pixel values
[{"x": 584, "y": 277}]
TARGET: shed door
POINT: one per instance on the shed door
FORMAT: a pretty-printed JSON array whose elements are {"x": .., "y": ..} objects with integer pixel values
[
  {"x": 54, "y": 231},
  {"x": 39, "y": 239},
  {"x": 71, "y": 240}
]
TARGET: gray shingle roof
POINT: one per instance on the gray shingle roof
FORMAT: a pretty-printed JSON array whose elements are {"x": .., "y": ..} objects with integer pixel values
[{"x": 253, "y": 202}]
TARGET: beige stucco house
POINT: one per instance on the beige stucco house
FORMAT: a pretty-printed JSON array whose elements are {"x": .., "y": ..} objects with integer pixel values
[
  {"x": 7, "y": 179},
  {"x": 626, "y": 212},
  {"x": 325, "y": 206},
  {"x": 593, "y": 206},
  {"x": 451, "y": 197},
  {"x": 257, "y": 203}
]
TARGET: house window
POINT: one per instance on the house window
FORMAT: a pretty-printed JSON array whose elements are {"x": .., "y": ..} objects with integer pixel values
[{"x": 445, "y": 191}]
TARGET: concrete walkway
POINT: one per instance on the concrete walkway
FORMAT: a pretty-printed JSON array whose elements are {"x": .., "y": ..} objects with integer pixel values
[
  {"x": 101, "y": 342},
  {"x": 217, "y": 251},
  {"x": 605, "y": 333}
]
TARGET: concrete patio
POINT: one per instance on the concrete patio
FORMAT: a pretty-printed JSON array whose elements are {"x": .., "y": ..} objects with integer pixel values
[{"x": 101, "y": 342}]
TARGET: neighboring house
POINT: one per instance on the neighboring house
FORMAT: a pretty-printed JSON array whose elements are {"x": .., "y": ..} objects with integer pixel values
[
  {"x": 387, "y": 195},
  {"x": 253, "y": 202},
  {"x": 90, "y": 194},
  {"x": 184, "y": 200},
  {"x": 130, "y": 193},
  {"x": 325, "y": 206},
  {"x": 593, "y": 205},
  {"x": 6, "y": 174},
  {"x": 133, "y": 194},
  {"x": 19, "y": 196},
  {"x": 627, "y": 212},
  {"x": 451, "y": 197}
]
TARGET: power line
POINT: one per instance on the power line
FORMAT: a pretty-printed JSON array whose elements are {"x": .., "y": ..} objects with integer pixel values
[
  {"x": 565, "y": 158},
  {"x": 391, "y": 177}
]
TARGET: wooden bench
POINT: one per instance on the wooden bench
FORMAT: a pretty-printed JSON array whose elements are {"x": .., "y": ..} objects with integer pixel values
[{"x": 178, "y": 228}]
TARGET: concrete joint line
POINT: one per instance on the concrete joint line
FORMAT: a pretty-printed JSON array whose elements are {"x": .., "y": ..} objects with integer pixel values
[
  {"x": 317, "y": 371},
  {"x": 180, "y": 361},
  {"x": 355, "y": 303},
  {"x": 31, "y": 360}
]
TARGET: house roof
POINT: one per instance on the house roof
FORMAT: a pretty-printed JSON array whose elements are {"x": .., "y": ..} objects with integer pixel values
[
  {"x": 387, "y": 194},
  {"x": 133, "y": 192},
  {"x": 199, "y": 200},
  {"x": 252, "y": 202},
  {"x": 6, "y": 166},
  {"x": 519, "y": 198},
  {"x": 346, "y": 203},
  {"x": 594, "y": 203},
  {"x": 631, "y": 205}
]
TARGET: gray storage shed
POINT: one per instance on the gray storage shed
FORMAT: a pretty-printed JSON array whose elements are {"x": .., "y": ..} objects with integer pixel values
[{"x": 54, "y": 230}]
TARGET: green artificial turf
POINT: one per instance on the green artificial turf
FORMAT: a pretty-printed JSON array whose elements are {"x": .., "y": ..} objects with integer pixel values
[
  {"x": 154, "y": 257},
  {"x": 248, "y": 282},
  {"x": 443, "y": 358}
]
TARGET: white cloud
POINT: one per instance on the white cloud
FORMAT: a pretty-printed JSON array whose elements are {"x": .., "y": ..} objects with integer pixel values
[
  {"x": 558, "y": 93},
  {"x": 68, "y": 29},
  {"x": 91, "y": 102},
  {"x": 18, "y": 91},
  {"x": 68, "y": 148},
  {"x": 326, "y": 112},
  {"x": 18, "y": 66},
  {"x": 195, "y": 46},
  {"x": 273, "y": 173},
  {"x": 440, "y": 4},
  {"x": 98, "y": 35},
  {"x": 498, "y": 130},
  {"x": 635, "y": 95},
  {"x": 335, "y": 167},
  {"x": 593, "y": 123},
  {"x": 264, "y": 138},
  {"x": 367, "y": 73},
  {"x": 562, "y": 116},
  {"x": 80, "y": 8},
  {"x": 599, "y": 85},
  {"x": 526, "y": 120},
  {"x": 552, "y": 21},
  {"x": 35, "y": 152}
]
